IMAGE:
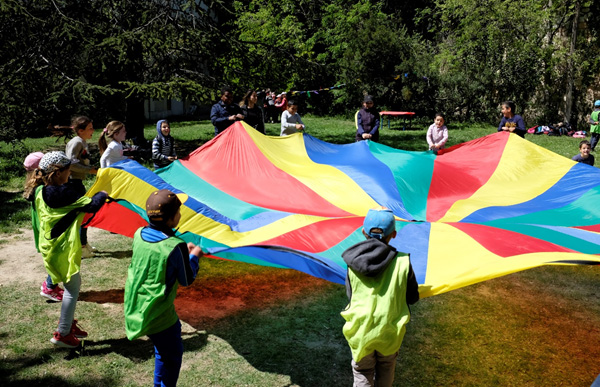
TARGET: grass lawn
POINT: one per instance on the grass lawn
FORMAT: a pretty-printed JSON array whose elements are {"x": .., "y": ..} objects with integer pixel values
[{"x": 247, "y": 325}]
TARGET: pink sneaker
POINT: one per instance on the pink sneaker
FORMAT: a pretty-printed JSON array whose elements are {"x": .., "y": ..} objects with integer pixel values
[
  {"x": 77, "y": 332},
  {"x": 55, "y": 294},
  {"x": 68, "y": 341}
]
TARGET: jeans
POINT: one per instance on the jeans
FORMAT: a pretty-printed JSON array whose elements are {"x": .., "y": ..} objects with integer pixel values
[
  {"x": 69, "y": 302},
  {"x": 594, "y": 140},
  {"x": 168, "y": 354}
]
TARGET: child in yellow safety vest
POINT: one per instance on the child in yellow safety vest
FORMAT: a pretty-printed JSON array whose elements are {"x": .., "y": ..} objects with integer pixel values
[{"x": 380, "y": 284}]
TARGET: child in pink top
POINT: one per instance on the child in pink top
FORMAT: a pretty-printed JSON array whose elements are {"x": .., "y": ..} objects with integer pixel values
[{"x": 437, "y": 134}]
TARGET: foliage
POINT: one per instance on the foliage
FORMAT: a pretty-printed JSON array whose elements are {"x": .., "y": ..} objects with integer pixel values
[
  {"x": 99, "y": 58},
  {"x": 462, "y": 57}
]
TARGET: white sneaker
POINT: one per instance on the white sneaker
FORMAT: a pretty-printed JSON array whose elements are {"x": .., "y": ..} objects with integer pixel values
[{"x": 87, "y": 251}]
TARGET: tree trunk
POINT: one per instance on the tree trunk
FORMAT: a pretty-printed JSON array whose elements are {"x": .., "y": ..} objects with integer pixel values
[{"x": 570, "y": 69}]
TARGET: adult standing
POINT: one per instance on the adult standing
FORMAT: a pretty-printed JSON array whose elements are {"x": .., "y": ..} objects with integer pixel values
[
  {"x": 224, "y": 112},
  {"x": 252, "y": 113}
]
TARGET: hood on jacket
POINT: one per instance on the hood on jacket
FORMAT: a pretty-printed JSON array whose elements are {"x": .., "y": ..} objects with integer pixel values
[
  {"x": 160, "y": 135},
  {"x": 369, "y": 257}
]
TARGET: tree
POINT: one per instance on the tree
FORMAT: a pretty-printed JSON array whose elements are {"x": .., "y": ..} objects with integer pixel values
[{"x": 100, "y": 58}]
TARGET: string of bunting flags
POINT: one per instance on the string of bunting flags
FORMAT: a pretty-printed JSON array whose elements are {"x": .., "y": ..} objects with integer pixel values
[{"x": 308, "y": 92}]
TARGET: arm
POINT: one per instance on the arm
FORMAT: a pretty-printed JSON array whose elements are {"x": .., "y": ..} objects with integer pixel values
[
  {"x": 217, "y": 117},
  {"x": 412, "y": 287},
  {"x": 184, "y": 263},
  {"x": 157, "y": 150},
  {"x": 501, "y": 126},
  {"x": 430, "y": 137},
  {"x": 444, "y": 137},
  {"x": 98, "y": 200},
  {"x": 375, "y": 127},
  {"x": 360, "y": 130},
  {"x": 284, "y": 121},
  {"x": 73, "y": 151}
]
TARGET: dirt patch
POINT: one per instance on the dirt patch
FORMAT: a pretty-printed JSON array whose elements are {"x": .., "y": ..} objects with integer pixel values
[{"x": 19, "y": 260}]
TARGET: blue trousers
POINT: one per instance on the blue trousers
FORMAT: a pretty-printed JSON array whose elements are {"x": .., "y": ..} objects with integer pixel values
[{"x": 168, "y": 353}]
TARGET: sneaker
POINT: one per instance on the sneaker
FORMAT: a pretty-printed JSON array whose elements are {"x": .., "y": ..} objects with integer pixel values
[
  {"x": 77, "y": 332},
  {"x": 68, "y": 341},
  {"x": 87, "y": 251},
  {"x": 55, "y": 294}
]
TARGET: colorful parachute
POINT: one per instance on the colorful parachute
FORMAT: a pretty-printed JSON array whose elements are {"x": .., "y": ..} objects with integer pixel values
[{"x": 479, "y": 210}]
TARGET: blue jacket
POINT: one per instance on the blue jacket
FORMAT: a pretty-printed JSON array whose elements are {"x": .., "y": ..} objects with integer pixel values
[{"x": 219, "y": 115}]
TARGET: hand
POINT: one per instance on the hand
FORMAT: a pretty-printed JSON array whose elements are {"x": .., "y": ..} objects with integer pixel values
[
  {"x": 231, "y": 118},
  {"x": 299, "y": 127},
  {"x": 239, "y": 116},
  {"x": 171, "y": 158},
  {"x": 94, "y": 171},
  {"x": 195, "y": 250},
  {"x": 366, "y": 136}
]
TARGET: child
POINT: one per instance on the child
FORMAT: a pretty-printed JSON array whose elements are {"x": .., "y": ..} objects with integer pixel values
[
  {"x": 61, "y": 208},
  {"x": 367, "y": 121},
  {"x": 163, "y": 145},
  {"x": 112, "y": 153},
  {"x": 584, "y": 155},
  {"x": 290, "y": 119},
  {"x": 437, "y": 134},
  {"x": 511, "y": 122},
  {"x": 48, "y": 289},
  {"x": 380, "y": 284},
  {"x": 595, "y": 125},
  {"x": 77, "y": 151},
  {"x": 160, "y": 262}
]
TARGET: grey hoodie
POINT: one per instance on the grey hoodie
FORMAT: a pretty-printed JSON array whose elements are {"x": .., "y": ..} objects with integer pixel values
[{"x": 371, "y": 257}]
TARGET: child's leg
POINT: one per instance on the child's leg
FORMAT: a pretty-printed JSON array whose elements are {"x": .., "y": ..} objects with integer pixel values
[
  {"x": 384, "y": 370},
  {"x": 67, "y": 311},
  {"x": 364, "y": 371},
  {"x": 49, "y": 283},
  {"x": 594, "y": 140},
  {"x": 168, "y": 353}
]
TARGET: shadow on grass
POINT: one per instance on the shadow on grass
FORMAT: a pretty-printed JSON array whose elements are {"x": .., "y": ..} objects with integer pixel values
[{"x": 280, "y": 321}]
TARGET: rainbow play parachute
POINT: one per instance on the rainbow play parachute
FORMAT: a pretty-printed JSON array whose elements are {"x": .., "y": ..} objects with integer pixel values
[{"x": 479, "y": 210}]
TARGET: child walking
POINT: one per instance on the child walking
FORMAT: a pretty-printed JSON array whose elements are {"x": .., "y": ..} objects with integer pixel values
[
  {"x": 584, "y": 155},
  {"x": 594, "y": 122},
  {"x": 367, "y": 121},
  {"x": 380, "y": 284},
  {"x": 77, "y": 151},
  {"x": 49, "y": 290},
  {"x": 160, "y": 262},
  {"x": 61, "y": 208},
  {"x": 163, "y": 145},
  {"x": 112, "y": 152},
  {"x": 437, "y": 134}
]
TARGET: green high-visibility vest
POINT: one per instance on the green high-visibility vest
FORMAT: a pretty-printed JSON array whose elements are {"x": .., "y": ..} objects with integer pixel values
[
  {"x": 377, "y": 314},
  {"x": 148, "y": 307},
  {"x": 62, "y": 255}
]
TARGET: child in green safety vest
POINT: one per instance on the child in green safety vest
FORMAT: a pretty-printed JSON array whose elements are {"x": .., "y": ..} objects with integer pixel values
[
  {"x": 61, "y": 208},
  {"x": 380, "y": 284},
  {"x": 594, "y": 122},
  {"x": 160, "y": 262}
]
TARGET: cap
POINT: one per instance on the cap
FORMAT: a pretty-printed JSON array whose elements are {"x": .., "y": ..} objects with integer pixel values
[
  {"x": 597, "y": 103},
  {"x": 32, "y": 161},
  {"x": 379, "y": 223},
  {"x": 163, "y": 204},
  {"x": 368, "y": 98},
  {"x": 56, "y": 158}
]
